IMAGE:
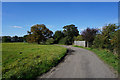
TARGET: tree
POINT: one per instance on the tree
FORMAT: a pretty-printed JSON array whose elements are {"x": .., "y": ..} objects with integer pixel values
[
  {"x": 29, "y": 37},
  {"x": 20, "y": 39},
  {"x": 115, "y": 41},
  {"x": 108, "y": 38},
  {"x": 58, "y": 35},
  {"x": 107, "y": 34},
  {"x": 98, "y": 41},
  {"x": 39, "y": 33},
  {"x": 89, "y": 35},
  {"x": 78, "y": 38},
  {"x": 70, "y": 31},
  {"x": 15, "y": 39},
  {"x": 25, "y": 38},
  {"x": 6, "y": 39},
  {"x": 50, "y": 41}
]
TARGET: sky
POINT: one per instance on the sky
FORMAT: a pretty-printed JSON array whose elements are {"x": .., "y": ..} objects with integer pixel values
[{"x": 18, "y": 17}]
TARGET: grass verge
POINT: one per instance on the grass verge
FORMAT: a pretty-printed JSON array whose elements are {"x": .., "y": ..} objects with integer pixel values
[
  {"x": 23, "y": 60},
  {"x": 108, "y": 57}
]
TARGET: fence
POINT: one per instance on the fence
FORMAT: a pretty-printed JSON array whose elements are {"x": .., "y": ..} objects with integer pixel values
[{"x": 81, "y": 43}]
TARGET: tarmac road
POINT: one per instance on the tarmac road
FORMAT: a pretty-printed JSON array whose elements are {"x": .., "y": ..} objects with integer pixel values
[{"x": 80, "y": 63}]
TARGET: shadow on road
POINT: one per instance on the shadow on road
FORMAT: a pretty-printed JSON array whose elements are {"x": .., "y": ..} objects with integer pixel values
[{"x": 70, "y": 52}]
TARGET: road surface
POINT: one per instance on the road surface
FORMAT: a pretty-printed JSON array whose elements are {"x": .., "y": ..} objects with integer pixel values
[{"x": 80, "y": 63}]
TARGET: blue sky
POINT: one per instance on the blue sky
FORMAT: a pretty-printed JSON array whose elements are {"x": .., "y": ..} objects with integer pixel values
[{"x": 18, "y": 17}]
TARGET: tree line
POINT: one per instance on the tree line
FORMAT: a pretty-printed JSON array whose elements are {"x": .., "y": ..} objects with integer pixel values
[
  {"x": 40, "y": 34},
  {"x": 107, "y": 38},
  {"x": 12, "y": 39}
]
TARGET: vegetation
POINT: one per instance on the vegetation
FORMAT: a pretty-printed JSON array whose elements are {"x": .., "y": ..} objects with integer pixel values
[
  {"x": 108, "y": 38},
  {"x": 106, "y": 56},
  {"x": 23, "y": 60},
  {"x": 57, "y": 36},
  {"x": 67, "y": 35},
  {"x": 78, "y": 38},
  {"x": 64, "y": 40},
  {"x": 39, "y": 33},
  {"x": 50, "y": 41},
  {"x": 70, "y": 31},
  {"x": 104, "y": 40},
  {"x": 6, "y": 39},
  {"x": 105, "y": 43},
  {"x": 89, "y": 35},
  {"x": 12, "y": 39}
]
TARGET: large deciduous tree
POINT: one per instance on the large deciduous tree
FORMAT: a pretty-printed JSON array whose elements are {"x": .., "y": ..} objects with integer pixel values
[
  {"x": 39, "y": 33},
  {"x": 89, "y": 35},
  {"x": 58, "y": 35},
  {"x": 69, "y": 32}
]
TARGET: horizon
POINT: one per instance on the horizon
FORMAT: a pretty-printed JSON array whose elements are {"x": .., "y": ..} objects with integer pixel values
[{"x": 18, "y": 17}]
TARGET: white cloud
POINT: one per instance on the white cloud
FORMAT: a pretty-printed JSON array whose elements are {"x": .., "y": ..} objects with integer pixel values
[{"x": 16, "y": 27}]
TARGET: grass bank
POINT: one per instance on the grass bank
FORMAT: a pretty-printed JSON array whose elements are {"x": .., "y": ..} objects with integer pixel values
[
  {"x": 23, "y": 60},
  {"x": 108, "y": 57}
]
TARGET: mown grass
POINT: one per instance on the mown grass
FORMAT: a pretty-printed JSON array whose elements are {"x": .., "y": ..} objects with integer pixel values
[
  {"x": 23, "y": 60},
  {"x": 108, "y": 57}
]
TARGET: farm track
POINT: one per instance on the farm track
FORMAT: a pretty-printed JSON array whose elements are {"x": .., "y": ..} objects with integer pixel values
[{"x": 80, "y": 63}]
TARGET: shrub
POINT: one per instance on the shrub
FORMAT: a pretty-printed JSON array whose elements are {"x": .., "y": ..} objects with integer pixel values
[
  {"x": 66, "y": 40},
  {"x": 78, "y": 38},
  {"x": 62, "y": 41},
  {"x": 50, "y": 41},
  {"x": 98, "y": 42}
]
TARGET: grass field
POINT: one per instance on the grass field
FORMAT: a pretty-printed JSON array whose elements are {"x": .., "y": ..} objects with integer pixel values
[
  {"x": 23, "y": 60},
  {"x": 107, "y": 57}
]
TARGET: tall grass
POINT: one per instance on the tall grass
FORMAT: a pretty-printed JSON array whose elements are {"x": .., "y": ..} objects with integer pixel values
[{"x": 23, "y": 60}]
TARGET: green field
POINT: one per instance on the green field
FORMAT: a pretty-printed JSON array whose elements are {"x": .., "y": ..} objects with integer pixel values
[
  {"x": 106, "y": 56},
  {"x": 23, "y": 60}
]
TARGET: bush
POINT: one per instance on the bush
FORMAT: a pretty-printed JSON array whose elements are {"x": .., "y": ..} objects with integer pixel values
[
  {"x": 66, "y": 40},
  {"x": 62, "y": 41},
  {"x": 98, "y": 42},
  {"x": 78, "y": 38},
  {"x": 50, "y": 41},
  {"x": 108, "y": 38}
]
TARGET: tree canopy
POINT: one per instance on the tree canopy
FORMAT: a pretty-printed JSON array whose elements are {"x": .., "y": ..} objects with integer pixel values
[
  {"x": 89, "y": 35},
  {"x": 58, "y": 35},
  {"x": 108, "y": 38},
  {"x": 70, "y": 31},
  {"x": 39, "y": 33}
]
